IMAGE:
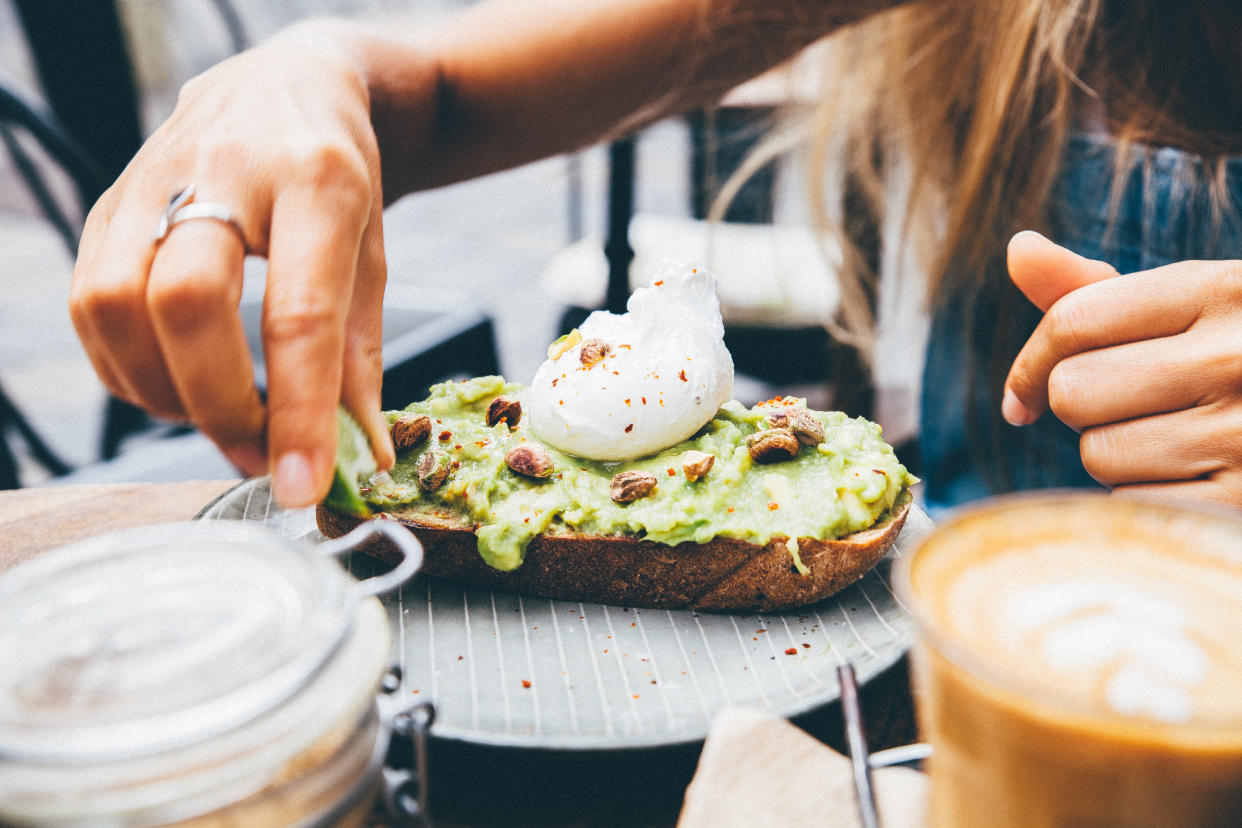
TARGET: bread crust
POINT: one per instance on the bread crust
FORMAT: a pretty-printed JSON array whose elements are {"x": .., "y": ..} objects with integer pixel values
[{"x": 723, "y": 575}]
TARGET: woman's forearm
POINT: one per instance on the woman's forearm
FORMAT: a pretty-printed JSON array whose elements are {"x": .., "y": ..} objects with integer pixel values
[{"x": 512, "y": 81}]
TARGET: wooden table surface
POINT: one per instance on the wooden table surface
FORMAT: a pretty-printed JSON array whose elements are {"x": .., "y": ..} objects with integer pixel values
[
  {"x": 471, "y": 785},
  {"x": 38, "y": 519}
]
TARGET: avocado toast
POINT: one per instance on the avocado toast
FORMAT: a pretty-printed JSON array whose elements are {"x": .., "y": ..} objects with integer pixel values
[{"x": 770, "y": 507}]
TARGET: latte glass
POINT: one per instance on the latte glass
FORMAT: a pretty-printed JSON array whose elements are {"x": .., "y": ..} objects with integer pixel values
[{"x": 1080, "y": 662}]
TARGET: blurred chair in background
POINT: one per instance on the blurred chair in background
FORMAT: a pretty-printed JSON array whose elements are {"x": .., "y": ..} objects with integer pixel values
[{"x": 20, "y": 117}]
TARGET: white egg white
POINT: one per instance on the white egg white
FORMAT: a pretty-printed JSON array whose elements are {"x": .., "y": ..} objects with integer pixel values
[{"x": 666, "y": 373}]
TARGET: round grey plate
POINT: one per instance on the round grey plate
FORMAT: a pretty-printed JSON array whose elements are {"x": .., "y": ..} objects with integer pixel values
[{"x": 510, "y": 670}]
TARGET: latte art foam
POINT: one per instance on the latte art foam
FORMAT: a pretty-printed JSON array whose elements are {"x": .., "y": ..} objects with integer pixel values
[{"x": 1125, "y": 629}]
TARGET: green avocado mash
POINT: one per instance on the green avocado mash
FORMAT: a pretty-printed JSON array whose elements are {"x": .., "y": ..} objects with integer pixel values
[{"x": 841, "y": 486}]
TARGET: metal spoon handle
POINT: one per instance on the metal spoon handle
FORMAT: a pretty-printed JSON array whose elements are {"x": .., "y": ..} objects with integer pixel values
[{"x": 856, "y": 738}]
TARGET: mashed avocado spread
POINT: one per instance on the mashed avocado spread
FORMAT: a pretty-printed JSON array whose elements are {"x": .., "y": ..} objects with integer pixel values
[{"x": 843, "y": 485}]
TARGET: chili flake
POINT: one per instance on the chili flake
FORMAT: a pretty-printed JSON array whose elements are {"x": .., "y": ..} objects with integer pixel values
[
  {"x": 683, "y": 375},
  {"x": 792, "y": 651}
]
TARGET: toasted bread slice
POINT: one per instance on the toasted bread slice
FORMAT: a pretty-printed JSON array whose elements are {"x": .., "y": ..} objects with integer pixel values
[{"x": 721, "y": 575}]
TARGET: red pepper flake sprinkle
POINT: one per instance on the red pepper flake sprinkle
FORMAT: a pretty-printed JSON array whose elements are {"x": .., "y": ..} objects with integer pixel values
[
  {"x": 457, "y": 446},
  {"x": 629, "y": 428},
  {"x": 560, "y": 402},
  {"x": 644, "y": 399},
  {"x": 526, "y": 683},
  {"x": 683, "y": 375},
  {"x": 445, "y": 436},
  {"x": 525, "y": 520},
  {"x": 806, "y": 645},
  {"x": 729, "y": 510},
  {"x": 627, "y": 401},
  {"x": 672, "y": 472},
  {"x": 555, "y": 380},
  {"x": 792, "y": 651},
  {"x": 773, "y": 506},
  {"x": 659, "y": 283},
  {"x": 626, "y": 347}
]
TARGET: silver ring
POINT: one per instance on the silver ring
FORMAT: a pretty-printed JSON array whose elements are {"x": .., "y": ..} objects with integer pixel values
[{"x": 182, "y": 207}]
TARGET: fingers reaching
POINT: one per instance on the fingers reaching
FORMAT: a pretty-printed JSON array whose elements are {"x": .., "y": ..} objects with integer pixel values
[
  {"x": 108, "y": 305},
  {"x": 314, "y": 253},
  {"x": 364, "y": 359},
  {"x": 192, "y": 295}
]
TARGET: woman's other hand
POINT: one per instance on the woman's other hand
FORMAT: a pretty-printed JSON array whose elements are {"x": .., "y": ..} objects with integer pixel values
[
  {"x": 1147, "y": 367},
  {"x": 281, "y": 136}
]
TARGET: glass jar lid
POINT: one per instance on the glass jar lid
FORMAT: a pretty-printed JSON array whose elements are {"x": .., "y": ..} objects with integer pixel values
[{"x": 143, "y": 641}]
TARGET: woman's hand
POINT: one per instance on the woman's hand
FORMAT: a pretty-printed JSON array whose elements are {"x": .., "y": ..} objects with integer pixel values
[
  {"x": 1147, "y": 366},
  {"x": 281, "y": 136}
]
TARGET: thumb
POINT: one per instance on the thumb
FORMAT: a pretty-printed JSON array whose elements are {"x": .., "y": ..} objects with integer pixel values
[{"x": 1045, "y": 271}]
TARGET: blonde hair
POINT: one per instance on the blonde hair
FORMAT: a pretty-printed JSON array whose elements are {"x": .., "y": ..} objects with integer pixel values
[{"x": 977, "y": 100}]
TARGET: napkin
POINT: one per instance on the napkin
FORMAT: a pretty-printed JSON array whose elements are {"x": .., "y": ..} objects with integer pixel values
[{"x": 758, "y": 770}]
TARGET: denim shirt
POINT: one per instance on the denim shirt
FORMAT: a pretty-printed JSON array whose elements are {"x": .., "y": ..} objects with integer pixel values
[{"x": 1163, "y": 216}]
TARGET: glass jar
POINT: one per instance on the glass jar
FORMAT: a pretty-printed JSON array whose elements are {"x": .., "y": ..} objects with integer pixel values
[{"x": 197, "y": 674}]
